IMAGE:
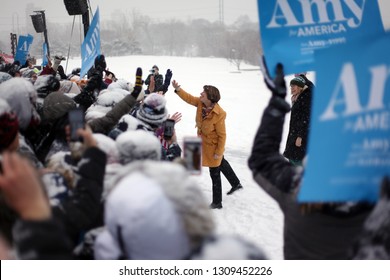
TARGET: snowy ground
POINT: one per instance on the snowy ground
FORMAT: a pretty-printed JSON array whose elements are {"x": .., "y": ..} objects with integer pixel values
[{"x": 250, "y": 212}]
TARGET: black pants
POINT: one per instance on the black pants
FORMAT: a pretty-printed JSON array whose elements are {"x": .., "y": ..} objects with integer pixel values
[{"x": 215, "y": 174}]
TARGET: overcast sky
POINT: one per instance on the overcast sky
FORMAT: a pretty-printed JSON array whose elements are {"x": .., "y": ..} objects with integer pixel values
[{"x": 12, "y": 10}]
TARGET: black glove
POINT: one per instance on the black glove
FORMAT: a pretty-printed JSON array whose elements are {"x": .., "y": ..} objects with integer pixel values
[
  {"x": 84, "y": 99},
  {"x": 94, "y": 82},
  {"x": 167, "y": 81},
  {"x": 138, "y": 83},
  {"x": 277, "y": 85}
]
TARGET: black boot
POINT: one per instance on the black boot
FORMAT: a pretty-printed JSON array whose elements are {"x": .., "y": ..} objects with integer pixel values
[
  {"x": 233, "y": 189},
  {"x": 215, "y": 175},
  {"x": 216, "y": 205}
]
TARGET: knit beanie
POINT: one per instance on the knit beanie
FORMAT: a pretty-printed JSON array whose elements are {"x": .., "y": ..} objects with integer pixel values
[
  {"x": 298, "y": 81},
  {"x": 153, "y": 111},
  {"x": 137, "y": 145},
  {"x": 9, "y": 125},
  {"x": 212, "y": 93}
]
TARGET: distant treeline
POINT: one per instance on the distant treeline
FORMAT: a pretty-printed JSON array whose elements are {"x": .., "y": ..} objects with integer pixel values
[{"x": 139, "y": 34}]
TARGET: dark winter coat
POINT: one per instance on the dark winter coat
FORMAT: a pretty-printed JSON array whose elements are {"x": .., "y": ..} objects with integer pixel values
[
  {"x": 158, "y": 82},
  {"x": 299, "y": 126},
  {"x": 83, "y": 210},
  {"x": 41, "y": 240},
  {"x": 106, "y": 124},
  {"x": 321, "y": 234}
]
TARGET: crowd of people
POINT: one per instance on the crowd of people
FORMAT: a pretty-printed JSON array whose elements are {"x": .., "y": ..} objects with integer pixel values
[{"x": 121, "y": 190}]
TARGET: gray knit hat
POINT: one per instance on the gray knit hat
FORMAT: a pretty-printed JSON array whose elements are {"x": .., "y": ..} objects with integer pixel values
[{"x": 153, "y": 111}]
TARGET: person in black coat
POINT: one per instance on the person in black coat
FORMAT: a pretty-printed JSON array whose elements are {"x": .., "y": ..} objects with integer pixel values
[
  {"x": 296, "y": 145},
  {"x": 158, "y": 81}
]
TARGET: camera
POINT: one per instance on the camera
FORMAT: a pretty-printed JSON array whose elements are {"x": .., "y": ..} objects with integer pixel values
[
  {"x": 76, "y": 121},
  {"x": 169, "y": 127},
  {"x": 152, "y": 71},
  {"x": 193, "y": 154}
]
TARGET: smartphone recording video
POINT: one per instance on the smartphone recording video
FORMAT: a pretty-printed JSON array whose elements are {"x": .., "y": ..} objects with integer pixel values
[
  {"x": 76, "y": 121},
  {"x": 193, "y": 154},
  {"x": 169, "y": 127}
]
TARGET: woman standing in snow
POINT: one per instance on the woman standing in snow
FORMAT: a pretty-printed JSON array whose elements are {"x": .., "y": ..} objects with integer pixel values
[{"x": 210, "y": 122}]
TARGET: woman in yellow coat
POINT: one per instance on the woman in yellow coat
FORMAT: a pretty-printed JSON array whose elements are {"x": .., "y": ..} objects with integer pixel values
[{"x": 210, "y": 123}]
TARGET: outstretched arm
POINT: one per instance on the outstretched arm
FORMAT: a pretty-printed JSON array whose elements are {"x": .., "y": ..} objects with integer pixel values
[
  {"x": 190, "y": 99},
  {"x": 270, "y": 169},
  {"x": 107, "y": 122}
]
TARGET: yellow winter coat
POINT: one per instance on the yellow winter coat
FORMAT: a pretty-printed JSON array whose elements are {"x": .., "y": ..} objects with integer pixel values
[{"x": 212, "y": 129}]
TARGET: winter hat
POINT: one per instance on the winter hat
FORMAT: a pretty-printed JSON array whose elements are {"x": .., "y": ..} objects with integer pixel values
[
  {"x": 46, "y": 84},
  {"x": 108, "y": 146},
  {"x": 109, "y": 98},
  {"x": 121, "y": 83},
  {"x": 4, "y": 77},
  {"x": 153, "y": 111},
  {"x": 104, "y": 103},
  {"x": 137, "y": 213},
  {"x": 56, "y": 105},
  {"x": 183, "y": 191},
  {"x": 155, "y": 67},
  {"x": 212, "y": 93},
  {"x": 69, "y": 87},
  {"x": 9, "y": 125},
  {"x": 298, "y": 81},
  {"x": 138, "y": 145},
  {"x": 21, "y": 97}
]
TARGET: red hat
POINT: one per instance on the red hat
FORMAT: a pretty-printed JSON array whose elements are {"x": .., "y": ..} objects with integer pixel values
[{"x": 9, "y": 127}]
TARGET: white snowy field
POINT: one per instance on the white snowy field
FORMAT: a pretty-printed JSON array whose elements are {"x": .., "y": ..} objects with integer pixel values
[{"x": 250, "y": 213}]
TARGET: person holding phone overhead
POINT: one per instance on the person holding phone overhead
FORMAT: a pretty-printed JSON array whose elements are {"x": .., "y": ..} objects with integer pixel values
[{"x": 210, "y": 123}]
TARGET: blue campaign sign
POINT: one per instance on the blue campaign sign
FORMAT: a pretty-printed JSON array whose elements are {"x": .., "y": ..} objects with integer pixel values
[
  {"x": 23, "y": 48},
  {"x": 291, "y": 30},
  {"x": 349, "y": 142},
  {"x": 44, "y": 55},
  {"x": 90, "y": 48}
]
